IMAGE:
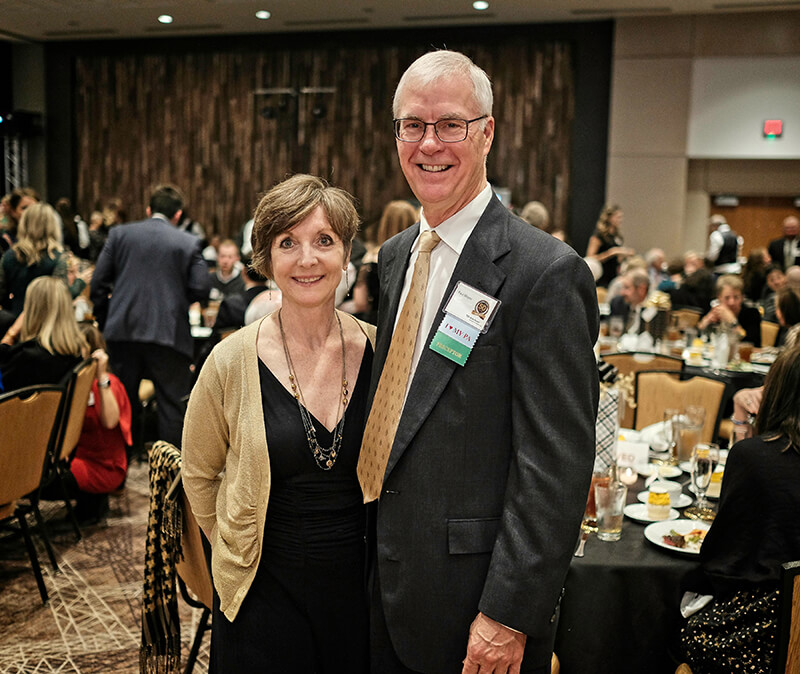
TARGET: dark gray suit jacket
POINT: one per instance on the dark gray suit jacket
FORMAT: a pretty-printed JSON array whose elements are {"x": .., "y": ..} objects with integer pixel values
[
  {"x": 488, "y": 475},
  {"x": 154, "y": 272}
]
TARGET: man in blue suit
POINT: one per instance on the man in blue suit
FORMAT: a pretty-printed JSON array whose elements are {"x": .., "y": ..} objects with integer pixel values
[
  {"x": 482, "y": 483},
  {"x": 147, "y": 275}
]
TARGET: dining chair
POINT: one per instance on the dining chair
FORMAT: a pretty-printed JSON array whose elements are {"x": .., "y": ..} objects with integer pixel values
[
  {"x": 194, "y": 576},
  {"x": 28, "y": 427},
  {"x": 787, "y": 651},
  {"x": 769, "y": 333},
  {"x": 76, "y": 401},
  {"x": 632, "y": 362},
  {"x": 657, "y": 391},
  {"x": 686, "y": 318}
]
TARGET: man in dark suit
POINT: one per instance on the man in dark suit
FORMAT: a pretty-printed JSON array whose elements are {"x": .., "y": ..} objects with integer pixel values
[
  {"x": 785, "y": 252},
  {"x": 628, "y": 305},
  {"x": 147, "y": 275},
  {"x": 485, "y": 470}
]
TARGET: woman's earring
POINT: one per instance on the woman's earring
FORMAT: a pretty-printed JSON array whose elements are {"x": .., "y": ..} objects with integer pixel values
[{"x": 347, "y": 276}]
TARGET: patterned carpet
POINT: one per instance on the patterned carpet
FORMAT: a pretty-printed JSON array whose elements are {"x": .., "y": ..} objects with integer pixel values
[{"x": 92, "y": 623}]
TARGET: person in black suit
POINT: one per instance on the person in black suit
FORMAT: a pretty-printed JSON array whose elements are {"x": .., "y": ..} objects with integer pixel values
[
  {"x": 785, "y": 251},
  {"x": 147, "y": 275},
  {"x": 486, "y": 476},
  {"x": 629, "y": 303}
]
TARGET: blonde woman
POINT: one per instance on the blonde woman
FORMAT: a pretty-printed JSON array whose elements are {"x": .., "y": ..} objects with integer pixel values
[
  {"x": 38, "y": 252},
  {"x": 606, "y": 244},
  {"x": 397, "y": 216},
  {"x": 44, "y": 346}
]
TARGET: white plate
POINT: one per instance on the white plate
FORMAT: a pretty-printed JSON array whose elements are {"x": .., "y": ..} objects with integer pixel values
[
  {"x": 685, "y": 466},
  {"x": 638, "y": 512},
  {"x": 655, "y": 533},
  {"x": 683, "y": 501},
  {"x": 662, "y": 470},
  {"x": 708, "y": 496}
]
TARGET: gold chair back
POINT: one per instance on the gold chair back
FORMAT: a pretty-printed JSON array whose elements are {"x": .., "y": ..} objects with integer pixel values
[
  {"x": 686, "y": 318},
  {"x": 28, "y": 418},
  {"x": 78, "y": 396},
  {"x": 193, "y": 567},
  {"x": 656, "y": 391},
  {"x": 627, "y": 363},
  {"x": 769, "y": 333},
  {"x": 787, "y": 654}
]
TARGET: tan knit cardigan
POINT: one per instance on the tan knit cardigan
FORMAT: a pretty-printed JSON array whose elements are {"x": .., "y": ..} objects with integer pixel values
[{"x": 226, "y": 464}]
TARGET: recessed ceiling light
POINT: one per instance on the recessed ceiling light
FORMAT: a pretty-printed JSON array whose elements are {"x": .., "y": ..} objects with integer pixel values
[
  {"x": 480, "y": 5},
  {"x": 165, "y": 18},
  {"x": 263, "y": 14}
]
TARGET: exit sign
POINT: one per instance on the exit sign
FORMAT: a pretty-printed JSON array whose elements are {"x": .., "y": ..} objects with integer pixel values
[{"x": 773, "y": 128}]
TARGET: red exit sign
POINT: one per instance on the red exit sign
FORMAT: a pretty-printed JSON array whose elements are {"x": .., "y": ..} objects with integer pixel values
[{"x": 773, "y": 128}]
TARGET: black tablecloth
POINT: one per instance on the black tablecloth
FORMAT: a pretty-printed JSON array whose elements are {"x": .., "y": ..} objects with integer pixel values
[{"x": 620, "y": 610}]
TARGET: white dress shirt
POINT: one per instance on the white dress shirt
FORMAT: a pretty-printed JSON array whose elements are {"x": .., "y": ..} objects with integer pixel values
[{"x": 454, "y": 233}]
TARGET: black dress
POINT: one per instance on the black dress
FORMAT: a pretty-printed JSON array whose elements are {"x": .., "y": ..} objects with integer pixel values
[
  {"x": 29, "y": 363},
  {"x": 755, "y": 531},
  {"x": 306, "y": 611}
]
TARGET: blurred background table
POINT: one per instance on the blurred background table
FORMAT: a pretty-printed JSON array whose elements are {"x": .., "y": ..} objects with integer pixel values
[{"x": 620, "y": 610}]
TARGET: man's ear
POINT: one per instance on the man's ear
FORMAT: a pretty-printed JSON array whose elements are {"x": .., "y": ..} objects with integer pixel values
[
  {"x": 149, "y": 212},
  {"x": 177, "y": 217}
]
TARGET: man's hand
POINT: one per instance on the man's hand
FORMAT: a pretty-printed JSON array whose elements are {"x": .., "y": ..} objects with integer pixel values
[{"x": 493, "y": 648}]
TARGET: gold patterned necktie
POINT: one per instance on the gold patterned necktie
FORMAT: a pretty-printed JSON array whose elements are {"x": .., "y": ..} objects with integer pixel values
[{"x": 389, "y": 397}]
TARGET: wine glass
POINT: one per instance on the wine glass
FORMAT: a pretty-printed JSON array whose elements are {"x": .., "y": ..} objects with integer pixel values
[
  {"x": 670, "y": 432},
  {"x": 705, "y": 458}
]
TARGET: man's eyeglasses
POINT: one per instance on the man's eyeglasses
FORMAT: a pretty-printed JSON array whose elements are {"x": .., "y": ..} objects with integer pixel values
[{"x": 411, "y": 130}]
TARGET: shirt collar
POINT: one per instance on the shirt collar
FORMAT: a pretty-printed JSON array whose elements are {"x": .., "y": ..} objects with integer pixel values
[
  {"x": 457, "y": 228},
  {"x": 161, "y": 216}
]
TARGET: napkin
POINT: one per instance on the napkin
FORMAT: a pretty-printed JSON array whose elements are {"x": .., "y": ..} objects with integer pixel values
[{"x": 691, "y": 603}]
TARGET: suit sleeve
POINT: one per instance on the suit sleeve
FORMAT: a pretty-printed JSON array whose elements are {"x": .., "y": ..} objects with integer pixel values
[
  {"x": 554, "y": 393},
  {"x": 199, "y": 283},
  {"x": 205, "y": 445},
  {"x": 103, "y": 281}
]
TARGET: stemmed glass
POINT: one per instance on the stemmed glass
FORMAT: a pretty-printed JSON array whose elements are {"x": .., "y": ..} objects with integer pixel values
[
  {"x": 705, "y": 458},
  {"x": 670, "y": 431}
]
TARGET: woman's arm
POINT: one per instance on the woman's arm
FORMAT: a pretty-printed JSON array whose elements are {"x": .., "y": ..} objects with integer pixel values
[
  {"x": 593, "y": 247},
  {"x": 107, "y": 406}
]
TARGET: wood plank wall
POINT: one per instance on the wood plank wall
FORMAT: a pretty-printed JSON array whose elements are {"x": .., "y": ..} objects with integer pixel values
[{"x": 192, "y": 118}]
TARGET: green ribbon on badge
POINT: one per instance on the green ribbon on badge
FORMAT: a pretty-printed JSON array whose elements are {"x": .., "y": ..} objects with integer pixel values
[{"x": 450, "y": 348}]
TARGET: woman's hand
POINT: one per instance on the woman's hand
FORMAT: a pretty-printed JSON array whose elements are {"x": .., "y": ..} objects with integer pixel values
[{"x": 102, "y": 362}]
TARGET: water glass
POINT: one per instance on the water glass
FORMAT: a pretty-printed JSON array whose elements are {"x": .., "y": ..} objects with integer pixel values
[
  {"x": 704, "y": 461},
  {"x": 610, "y": 503}
]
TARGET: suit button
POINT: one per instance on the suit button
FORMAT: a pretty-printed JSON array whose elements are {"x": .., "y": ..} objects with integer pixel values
[{"x": 390, "y": 491}]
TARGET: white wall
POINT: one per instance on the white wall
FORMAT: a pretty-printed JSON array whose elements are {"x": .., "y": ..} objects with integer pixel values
[
  {"x": 731, "y": 98},
  {"x": 662, "y": 69}
]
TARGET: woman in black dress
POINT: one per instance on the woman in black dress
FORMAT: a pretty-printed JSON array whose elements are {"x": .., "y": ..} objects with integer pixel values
[
  {"x": 605, "y": 244},
  {"x": 756, "y": 530},
  {"x": 287, "y": 524}
]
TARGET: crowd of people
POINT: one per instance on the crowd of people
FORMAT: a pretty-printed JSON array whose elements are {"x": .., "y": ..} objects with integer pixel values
[{"x": 457, "y": 440}]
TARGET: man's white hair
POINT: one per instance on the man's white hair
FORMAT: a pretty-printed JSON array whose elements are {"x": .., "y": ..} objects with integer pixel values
[{"x": 437, "y": 65}]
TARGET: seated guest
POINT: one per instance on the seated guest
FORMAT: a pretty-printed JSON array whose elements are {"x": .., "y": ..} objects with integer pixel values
[
  {"x": 656, "y": 266},
  {"x": 100, "y": 463},
  {"x": 729, "y": 311},
  {"x": 775, "y": 280},
  {"x": 787, "y": 309},
  {"x": 756, "y": 530},
  {"x": 754, "y": 274},
  {"x": 226, "y": 279},
  {"x": 629, "y": 304},
  {"x": 232, "y": 309},
  {"x": 696, "y": 289},
  {"x": 50, "y": 344},
  {"x": 37, "y": 252}
]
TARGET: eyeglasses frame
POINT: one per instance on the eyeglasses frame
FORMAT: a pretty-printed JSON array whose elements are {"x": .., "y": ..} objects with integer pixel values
[{"x": 433, "y": 124}]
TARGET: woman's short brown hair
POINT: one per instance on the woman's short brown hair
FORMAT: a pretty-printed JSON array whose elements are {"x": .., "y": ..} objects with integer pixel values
[{"x": 292, "y": 201}]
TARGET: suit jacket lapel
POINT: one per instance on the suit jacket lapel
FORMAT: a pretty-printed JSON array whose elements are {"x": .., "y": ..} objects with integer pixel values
[{"x": 476, "y": 267}]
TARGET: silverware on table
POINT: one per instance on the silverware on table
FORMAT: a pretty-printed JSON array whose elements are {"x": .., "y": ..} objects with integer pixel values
[{"x": 582, "y": 543}]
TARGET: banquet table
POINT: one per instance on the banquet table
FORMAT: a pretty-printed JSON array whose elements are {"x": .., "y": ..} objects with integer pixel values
[{"x": 620, "y": 609}]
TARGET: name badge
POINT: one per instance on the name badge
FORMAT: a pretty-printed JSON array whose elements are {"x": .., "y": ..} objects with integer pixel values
[
  {"x": 472, "y": 306},
  {"x": 468, "y": 314}
]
